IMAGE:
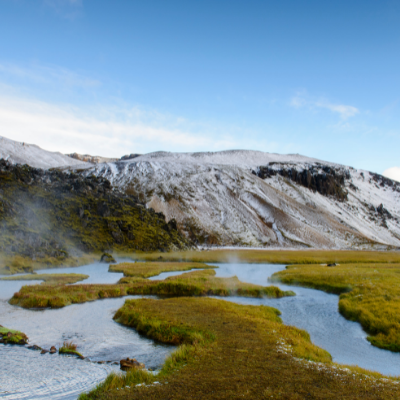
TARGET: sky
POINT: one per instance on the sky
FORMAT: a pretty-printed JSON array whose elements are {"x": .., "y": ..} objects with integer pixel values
[{"x": 109, "y": 78}]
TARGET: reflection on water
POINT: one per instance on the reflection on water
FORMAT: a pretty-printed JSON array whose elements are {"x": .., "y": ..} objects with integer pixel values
[{"x": 317, "y": 313}]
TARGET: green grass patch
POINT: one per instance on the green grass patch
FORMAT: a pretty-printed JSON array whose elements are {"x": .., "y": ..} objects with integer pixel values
[
  {"x": 149, "y": 269},
  {"x": 369, "y": 294},
  {"x": 196, "y": 283},
  {"x": 230, "y": 351},
  {"x": 11, "y": 336},
  {"x": 275, "y": 256},
  {"x": 69, "y": 348}
]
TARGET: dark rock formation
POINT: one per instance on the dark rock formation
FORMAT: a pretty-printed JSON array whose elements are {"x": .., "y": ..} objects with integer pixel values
[
  {"x": 323, "y": 179},
  {"x": 130, "y": 363},
  {"x": 51, "y": 214},
  {"x": 107, "y": 258}
]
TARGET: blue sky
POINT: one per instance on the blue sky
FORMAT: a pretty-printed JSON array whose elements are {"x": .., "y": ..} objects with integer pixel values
[{"x": 105, "y": 77}]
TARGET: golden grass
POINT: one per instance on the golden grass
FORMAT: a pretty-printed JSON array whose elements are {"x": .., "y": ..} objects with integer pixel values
[
  {"x": 274, "y": 256},
  {"x": 149, "y": 269},
  {"x": 49, "y": 279},
  {"x": 230, "y": 351},
  {"x": 369, "y": 294},
  {"x": 196, "y": 283},
  {"x": 10, "y": 265}
]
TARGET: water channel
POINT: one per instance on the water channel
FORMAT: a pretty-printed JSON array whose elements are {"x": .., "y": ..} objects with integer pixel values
[{"x": 25, "y": 374}]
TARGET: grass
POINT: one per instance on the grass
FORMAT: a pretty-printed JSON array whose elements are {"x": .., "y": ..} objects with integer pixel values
[
  {"x": 69, "y": 348},
  {"x": 149, "y": 269},
  {"x": 49, "y": 279},
  {"x": 16, "y": 337},
  {"x": 202, "y": 283},
  {"x": 369, "y": 294},
  {"x": 196, "y": 283},
  {"x": 230, "y": 351},
  {"x": 274, "y": 256},
  {"x": 16, "y": 264}
]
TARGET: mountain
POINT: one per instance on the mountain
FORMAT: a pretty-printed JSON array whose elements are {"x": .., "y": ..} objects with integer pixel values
[
  {"x": 23, "y": 153},
  {"x": 251, "y": 198}
]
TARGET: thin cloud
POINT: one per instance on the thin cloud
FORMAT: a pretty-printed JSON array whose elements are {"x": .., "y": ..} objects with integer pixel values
[
  {"x": 47, "y": 74},
  {"x": 69, "y": 9},
  {"x": 70, "y": 129},
  {"x": 344, "y": 111},
  {"x": 392, "y": 173}
]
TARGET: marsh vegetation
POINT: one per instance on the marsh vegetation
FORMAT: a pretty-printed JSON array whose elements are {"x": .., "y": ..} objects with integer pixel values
[
  {"x": 369, "y": 294},
  {"x": 228, "y": 351},
  {"x": 196, "y": 283}
]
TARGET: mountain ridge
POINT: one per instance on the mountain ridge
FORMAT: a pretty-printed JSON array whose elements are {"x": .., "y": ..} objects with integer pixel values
[{"x": 256, "y": 199}]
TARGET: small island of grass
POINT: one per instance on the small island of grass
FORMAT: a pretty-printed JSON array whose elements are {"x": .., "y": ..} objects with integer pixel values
[
  {"x": 195, "y": 283},
  {"x": 49, "y": 279},
  {"x": 10, "y": 336},
  {"x": 149, "y": 269}
]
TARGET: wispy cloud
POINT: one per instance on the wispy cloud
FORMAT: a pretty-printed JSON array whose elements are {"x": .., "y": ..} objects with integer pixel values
[
  {"x": 47, "y": 74},
  {"x": 344, "y": 111},
  {"x": 69, "y": 9},
  {"x": 393, "y": 173},
  {"x": 108, "y": 131}
]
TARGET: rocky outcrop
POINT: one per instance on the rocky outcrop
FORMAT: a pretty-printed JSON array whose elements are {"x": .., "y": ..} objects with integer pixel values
[
  {"x": 91, "y": 159},
  {"x": 53, "y": 214},
  {"x": 107, "y": 258},
  {"x": 324, "y": 179},
  {"x": 130, "y": 363}
]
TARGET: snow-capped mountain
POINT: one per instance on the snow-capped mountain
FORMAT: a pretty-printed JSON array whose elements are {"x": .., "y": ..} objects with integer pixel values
[
  {"x": 251, "y": 198},
  {"x": 23, "y": 153}
]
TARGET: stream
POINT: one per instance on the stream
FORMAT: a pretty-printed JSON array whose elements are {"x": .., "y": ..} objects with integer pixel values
[{"x": 26, "y": 374}]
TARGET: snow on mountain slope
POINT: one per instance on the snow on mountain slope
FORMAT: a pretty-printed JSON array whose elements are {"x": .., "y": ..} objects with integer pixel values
[
  {"x": 23, "y": 153},
  {"x": 262, "y": 199}
]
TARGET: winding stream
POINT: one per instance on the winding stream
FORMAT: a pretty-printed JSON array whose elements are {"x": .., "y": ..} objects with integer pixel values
[{"x": 25, "y": 374}]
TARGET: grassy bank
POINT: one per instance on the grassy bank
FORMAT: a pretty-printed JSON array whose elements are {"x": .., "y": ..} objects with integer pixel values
[
  {"x": 275, "y": 256},
  {"x": 49, "y": 279},
  {"x": 149, "y": 269},
  {"x": 11, "y": 336},
  {"x": 369, "y": 294},
  {"x": 229, "y": 351},
  {"x": 197, "y": 283}
]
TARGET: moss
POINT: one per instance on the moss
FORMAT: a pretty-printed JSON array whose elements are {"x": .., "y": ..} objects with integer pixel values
[
  {"x": 10, "y": 336},
  {"x": 52, "y": 216},
  {"x": 149, "y": 269},
  {"x": 229, "y": 351}
]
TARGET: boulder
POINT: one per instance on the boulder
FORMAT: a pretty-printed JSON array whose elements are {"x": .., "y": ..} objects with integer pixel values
[
  {"x": 53, "y": 350},
  {"x": 107, "y": 258},
  {"x": 44, "y": 351},
  {"x": 130, "y": 363},
  {"x": 332, "y": 265},
  {"x": 34, "y": 347}
]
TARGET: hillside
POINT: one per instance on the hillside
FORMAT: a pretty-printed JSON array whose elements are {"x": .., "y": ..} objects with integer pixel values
[
  {"x": 250, "y": 198},
  {"x": 52, "y": 216},
  {"x": 23, "y": 153}
]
